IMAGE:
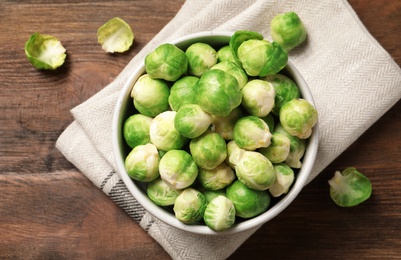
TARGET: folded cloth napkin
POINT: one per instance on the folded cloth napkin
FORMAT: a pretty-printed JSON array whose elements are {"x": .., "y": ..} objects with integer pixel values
[{"x": 353, "y": 79}]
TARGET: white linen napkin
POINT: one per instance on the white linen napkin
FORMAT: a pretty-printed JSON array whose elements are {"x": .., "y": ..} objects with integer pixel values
[{"x": 353, "y": 79}]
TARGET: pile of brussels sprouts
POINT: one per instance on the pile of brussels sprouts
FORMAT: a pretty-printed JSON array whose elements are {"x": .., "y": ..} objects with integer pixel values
[{"x": 217, "y": 133}]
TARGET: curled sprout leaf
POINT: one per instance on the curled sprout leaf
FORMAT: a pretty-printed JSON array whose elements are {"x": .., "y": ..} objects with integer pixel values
[
  {"x": 45, "y": 51},
  {"x": 349, "y": 188},
  {"x": 115, "y": 36}
]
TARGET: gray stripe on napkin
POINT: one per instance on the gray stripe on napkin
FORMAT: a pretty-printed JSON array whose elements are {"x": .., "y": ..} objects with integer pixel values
[{"x": 123, "y": 198}]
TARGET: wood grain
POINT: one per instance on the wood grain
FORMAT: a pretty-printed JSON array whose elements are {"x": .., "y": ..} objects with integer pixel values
[{"x": 49, "y": 210}]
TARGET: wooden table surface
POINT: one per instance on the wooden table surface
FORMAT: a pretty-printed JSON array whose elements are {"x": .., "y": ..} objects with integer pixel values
[{"x": 49, "y": 210}]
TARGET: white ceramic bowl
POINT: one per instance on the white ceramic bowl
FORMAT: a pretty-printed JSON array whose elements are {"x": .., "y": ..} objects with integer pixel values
[{"x": 124, "y": 108}]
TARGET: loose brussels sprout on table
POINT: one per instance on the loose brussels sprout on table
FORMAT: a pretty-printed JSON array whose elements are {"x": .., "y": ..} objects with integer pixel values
[
  {"x": 228, "y": 128},
  {"x": 288, "y": 30},
  {"x": 349, "y": 187},
  {"x": 45, "y": 51},
  {"x": 115, "y": 36}
]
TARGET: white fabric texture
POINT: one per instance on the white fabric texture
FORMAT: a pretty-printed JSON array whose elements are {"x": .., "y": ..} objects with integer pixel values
[{"x": 354, "y": 81}]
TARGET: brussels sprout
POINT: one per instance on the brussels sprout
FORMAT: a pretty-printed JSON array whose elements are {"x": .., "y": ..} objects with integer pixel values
[
  {"x": 349, "y": 188},
  {"x": 234, "y": 153},
  {"x": 225, "y": 54},
  {"x": 258, "y": 97},
  {"x": 208, "y": 150},
  {"x": 255, "y": 170},
  {"x": 239, "y": 37},
  {"x": 166, "y": 62},
  {"x": 115, "y": 36},
  {"x": 248, "y": 202},
  {"x": 279, "y": 148},
  {"x": 150, "y": 95},
  {"x": 142, "y": 163},
  {"x": 225, "y": 125},
  {"x": 219, "y": 214},
  {"x": 163, "y": 133},
  {"x": 160, "y": 193},
  {"x": 262, "y": 58},
  {"x": 178, "y": 169},
  {"x": 288, "y": 30},
  {"x": 285, "y": 88},
  {"x": 191, "y": 121},
  {"x": 270, "y": 121},
  {"x": 190, "y": 206},
  {"x": 218, "y": 93},
  {"x": 136, "y": 130},
  {"x": 216, "y": 178},
  {"x": 298, "y": 117},
  {"x": 183, "y": 91},
  {"x": 297, "y": 148},
  {"x": 234, "y": 70},
  {"x": 201, "y": 57},
  {"x": 284, "y": 179},
  {"x": 45, "y": 51},
  {"x": 251, "y": 132},
  {"x": 211, "y": 194}
]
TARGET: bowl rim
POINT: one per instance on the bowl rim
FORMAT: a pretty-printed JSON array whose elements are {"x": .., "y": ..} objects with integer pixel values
[{"x": 159, "y": 213}]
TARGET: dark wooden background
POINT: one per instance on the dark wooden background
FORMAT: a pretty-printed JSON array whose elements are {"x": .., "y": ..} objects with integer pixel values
[{"x": 49, "y": 210}]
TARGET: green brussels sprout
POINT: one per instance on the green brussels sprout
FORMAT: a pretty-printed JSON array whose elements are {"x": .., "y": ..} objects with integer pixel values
[
  {"x": 225, "y": 125},
  {"x": 160, "y": 193},
  {"x": 211, "y": 194},
  {"x": 288, "y": 30},
  {"x": 234, "y": 153},
  {"x": 234, "y": 70},
  {"x": 219, "y": 214},
  {"x": 45, "y": 51},
  {"x": 298, "y": 117},
  {"x": 218, "y": 93},
  {"x": 284, "y": 179},
  {"x": 225, "y": 54},
  {"x": 251, "y": 132},
  {"x": 183, "y": 91},
  {"x": 142, "y": 163},
  {"x": 255, "y": 170},
  {"x": 350, "y": 187},
  {"x": 248, "y": 202},
  {"x": 270, "y": 121},
  {"x": 258, "y": 97},
  {"x": 178, "y": 169},
  {"x": 208, "y": 150},
  {"x": 279, "y": 148},
  {"x": 286, "y": 90},
  {"x": 191, "y": 121},
  {"x": 163, "y": 133},
  {"x": 201, "y": 57},
  {"x": 136, "y": 130},
  {"x": 238, "y": 38},
  {"x": 166, "y": 62},
  {"x": 216, "y": 178},
  {"x": 115, "y": 36},
  {"x": 189, "y": 206},
  {"x": 262, "y": 58},
  {"x": 297, "y": 148},
  {"x": 150, "y": 95}
]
